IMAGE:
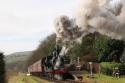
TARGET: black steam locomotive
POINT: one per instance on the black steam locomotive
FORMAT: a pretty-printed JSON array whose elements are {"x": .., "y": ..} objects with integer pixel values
[{"x": 52, "y": 66}]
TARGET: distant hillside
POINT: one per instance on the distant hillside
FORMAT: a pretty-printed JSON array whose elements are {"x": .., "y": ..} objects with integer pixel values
[
  {"x": 18, "y": 56},
  {"x": 21, "y": 53},
  {"x": 18, "y": 61}
]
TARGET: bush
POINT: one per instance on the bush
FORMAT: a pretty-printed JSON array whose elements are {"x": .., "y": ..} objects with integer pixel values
[
  {"x": 108, "y": 49},
  {"x": 2, "y": 68},
  {"x": 107, "y": 67},
  {"x": 122, "y": 69}
]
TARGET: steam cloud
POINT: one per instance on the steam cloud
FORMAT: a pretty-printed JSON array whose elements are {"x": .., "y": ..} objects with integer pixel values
[
  {"x": 104, "y": 16},
  {"x": 66, "y": 29}
]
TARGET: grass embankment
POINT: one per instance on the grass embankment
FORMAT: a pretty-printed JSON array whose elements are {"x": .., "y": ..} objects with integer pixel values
[
  {"x": 25, "y": 79},
  {"x": 22, "y": 78},
  {"x": 103, "y": 79}
]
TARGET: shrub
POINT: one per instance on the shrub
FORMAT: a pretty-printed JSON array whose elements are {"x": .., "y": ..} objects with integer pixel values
[
  {"x": 122, "y": 69},
  {"x": 107, "y": 67},
  {"x": 108, "y": 49},
  {"x": 2, "y": 68}
]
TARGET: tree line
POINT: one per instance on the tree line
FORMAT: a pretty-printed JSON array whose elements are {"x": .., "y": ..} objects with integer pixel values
[
  {"x": 45, "y": 48},
  {"x": 94, "y": 47}
]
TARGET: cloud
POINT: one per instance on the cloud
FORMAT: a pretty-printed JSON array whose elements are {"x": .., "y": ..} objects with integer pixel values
[
  {"x": 16, "y": 47},
  {"x": 23, "y": 23}
]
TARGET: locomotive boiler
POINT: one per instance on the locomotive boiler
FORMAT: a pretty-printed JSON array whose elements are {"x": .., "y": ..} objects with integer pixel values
[{"x": 52, "y": 66}]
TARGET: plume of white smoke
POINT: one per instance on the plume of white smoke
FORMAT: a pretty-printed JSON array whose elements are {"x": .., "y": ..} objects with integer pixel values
[
  {"x": 66, "y": 32},
  {"x": 106, "y": 17},
  {"x": 66, "y": 29}
]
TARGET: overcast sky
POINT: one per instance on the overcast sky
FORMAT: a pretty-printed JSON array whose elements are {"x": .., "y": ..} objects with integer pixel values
[{"x": 23, "y": 23}]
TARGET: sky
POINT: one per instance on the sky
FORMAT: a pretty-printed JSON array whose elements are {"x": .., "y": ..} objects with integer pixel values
[{"x": 24, "y": 23}]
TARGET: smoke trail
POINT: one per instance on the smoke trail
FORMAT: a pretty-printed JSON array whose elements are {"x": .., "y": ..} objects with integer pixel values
[
  {"x": 106, "y": 17},
  {"x": 67, "y": 30}
]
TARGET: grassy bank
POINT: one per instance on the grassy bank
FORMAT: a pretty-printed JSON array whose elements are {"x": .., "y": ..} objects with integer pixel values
[
  {"x": 25, "y": 79},
  {"x": 22, "y": 78},
  {"x": 103, "y": 79}
]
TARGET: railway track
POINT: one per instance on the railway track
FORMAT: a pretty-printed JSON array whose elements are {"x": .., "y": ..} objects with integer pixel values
[{"x": 59, "y": 81}]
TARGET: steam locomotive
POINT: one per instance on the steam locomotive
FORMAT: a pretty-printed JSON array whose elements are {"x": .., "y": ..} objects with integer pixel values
[{"x": 53, "y": 66}]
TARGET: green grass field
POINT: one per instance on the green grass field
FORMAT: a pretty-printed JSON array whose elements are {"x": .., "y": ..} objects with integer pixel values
[
  {"x": 97, "y": 79},
  {"x": 103, "y": 79},
  {"x": 25, "y": 79}
]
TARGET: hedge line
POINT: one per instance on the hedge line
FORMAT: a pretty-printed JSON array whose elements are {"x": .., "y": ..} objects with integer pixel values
[{"x": 107, "y": 67}]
